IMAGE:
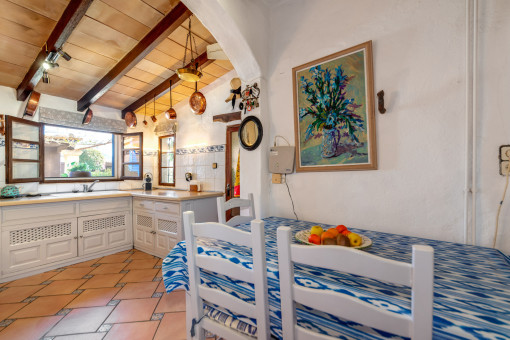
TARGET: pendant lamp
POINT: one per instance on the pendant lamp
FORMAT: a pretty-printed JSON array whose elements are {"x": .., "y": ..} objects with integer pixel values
[
  {"x": 191, "y": 74},
  {"x": 153, "y": 117}
]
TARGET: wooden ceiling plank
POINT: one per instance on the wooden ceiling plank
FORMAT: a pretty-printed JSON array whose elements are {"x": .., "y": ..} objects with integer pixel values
[
  {"x": 49, "y": 8},
  {"x": 199, "y": 30},
  {"x": 26, "y": 17},
  {"x": 163, "y": 59},
  {"x": 129, "y": 91},
  {"x": 215, "y": 70},
  {"x": 97, "y": 45},
  {"x": 171, "y": 48},
  {"x": 156, "y": 69},
  {"x": 226, "y": 64},
  {"x": 11, "y": 68},
  {"x": 9, "y": 80},
  {"x": 89, "y": 56},
  {"x": 162, "y": 29},
  {"x": 162, "y": 6},
  {"x": 106, "y": 34},
  {"x": 15, "y": 31},
  {"x": 135, "y": 83},
  {"x": 71, "y": 16},
  {"x": 117, "y": 20},
  {"x": 137, "y": 10},
  {"x": 144, "y": 76},
  {"x": 157, "y": 92},
  {"x": 78, "y": 65},
  {"x": 10, "y": 45}
]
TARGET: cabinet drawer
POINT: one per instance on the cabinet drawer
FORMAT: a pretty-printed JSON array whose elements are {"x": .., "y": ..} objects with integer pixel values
[
  {"x": 143, "y": 204},
  {"x": 168, "y": 208},
  {"x": 37, "y": 212},
  {"x": 92, "y": 207}
]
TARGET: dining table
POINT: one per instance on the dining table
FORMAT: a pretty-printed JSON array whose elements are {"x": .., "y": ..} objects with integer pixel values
[{"x": 471, "y": 285}]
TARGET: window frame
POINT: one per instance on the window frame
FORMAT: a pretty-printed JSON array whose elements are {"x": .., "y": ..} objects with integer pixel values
[
  {"x": 121, "y": 157},
  {"x": 160, "y": 155},
  {"x": 9, "y": 141},
  {"x": 118, "y": 160}
]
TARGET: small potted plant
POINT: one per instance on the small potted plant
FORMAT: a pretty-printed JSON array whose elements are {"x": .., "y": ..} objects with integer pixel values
[{"x": 79, "y": 170}]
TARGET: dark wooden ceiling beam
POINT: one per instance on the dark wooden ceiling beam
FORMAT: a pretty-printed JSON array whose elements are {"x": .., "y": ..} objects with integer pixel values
[
  {"x": 159, "y": 90},
  {"x": 70, "y": 18},
  {"x": 160, "y": 32}
]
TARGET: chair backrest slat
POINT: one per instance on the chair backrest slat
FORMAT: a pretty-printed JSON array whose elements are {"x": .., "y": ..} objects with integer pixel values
[
  {"x": 224, "y": 267},
  {"x": 350, "y": 308},
  {"x": 228, "y": 301},
  {"x": 353, "y": 262},
  {"x": 258, "y": 276},
  {"x": 222, "y": 232},
  {"x": 419, "y": 276},
  {"x": 236, "y": 203}
]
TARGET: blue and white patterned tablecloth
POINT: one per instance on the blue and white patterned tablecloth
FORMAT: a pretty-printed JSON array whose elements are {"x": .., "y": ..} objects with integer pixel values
[{"x": 471, "y": 285}]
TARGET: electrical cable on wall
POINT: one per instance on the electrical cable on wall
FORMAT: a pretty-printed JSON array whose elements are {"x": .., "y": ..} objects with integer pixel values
[
  {"x": 501, "y": 203},
  {"x": 278, "y": 136},
  {"x": 291, "y": 200}
]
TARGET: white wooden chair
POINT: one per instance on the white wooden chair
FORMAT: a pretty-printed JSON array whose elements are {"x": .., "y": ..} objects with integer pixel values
[
  {"x": 419, "y": 275},
  {"x": 235, "y": 203},
  {"x": 258, "y": 276}
]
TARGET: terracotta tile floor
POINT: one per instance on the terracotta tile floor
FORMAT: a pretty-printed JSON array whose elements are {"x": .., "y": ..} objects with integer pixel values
[{"x": 120, "y": 296}]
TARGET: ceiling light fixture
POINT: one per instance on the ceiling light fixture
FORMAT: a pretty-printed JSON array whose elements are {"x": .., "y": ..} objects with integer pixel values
[
  {"x": 64, "y": 55},
  {"x": 191, "y": 74},
  {"x": 45, "y": 77},
  {"x": 170, "y": 113}
]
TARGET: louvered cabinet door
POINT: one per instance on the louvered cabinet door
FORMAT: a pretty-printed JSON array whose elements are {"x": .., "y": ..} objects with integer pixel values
[
  {"x": 144, "y": 233},
  {"x": 36, "y": 244},
  {"x": 167, "y": 233},
  {"x": 103, "y": 232}
]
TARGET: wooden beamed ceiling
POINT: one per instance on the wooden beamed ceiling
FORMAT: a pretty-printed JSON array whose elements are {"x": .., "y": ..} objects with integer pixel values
[{"x": 107, "y": 33}]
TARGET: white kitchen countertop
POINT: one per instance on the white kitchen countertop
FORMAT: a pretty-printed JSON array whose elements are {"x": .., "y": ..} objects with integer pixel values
[{"x": 160, "y": 194}]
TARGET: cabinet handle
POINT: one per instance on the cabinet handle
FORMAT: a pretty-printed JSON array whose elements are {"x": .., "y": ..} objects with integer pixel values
[
  {"x": 76, "y": 237},
  {"x": 81, "y": 236}
]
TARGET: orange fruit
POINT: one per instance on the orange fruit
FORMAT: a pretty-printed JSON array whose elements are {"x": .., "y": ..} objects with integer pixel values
[
  {"x": 333, "y": 231},
  {"x": 346, "y": 232},
  {"x": 327, "y": 234}
]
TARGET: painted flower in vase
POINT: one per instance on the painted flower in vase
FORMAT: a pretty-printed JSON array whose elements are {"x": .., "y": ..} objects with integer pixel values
[{"x": 332, "y": 112}]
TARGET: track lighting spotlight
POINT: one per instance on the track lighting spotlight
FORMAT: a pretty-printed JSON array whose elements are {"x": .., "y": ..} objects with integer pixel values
[
  {"x": 45, "y": 77},
  {"x": 49, "y": 65},
  {"x": 63, "y": 54}
]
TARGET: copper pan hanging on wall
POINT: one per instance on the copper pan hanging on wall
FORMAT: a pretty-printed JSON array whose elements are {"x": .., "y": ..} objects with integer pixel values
[
  {"x": 130, "y": 119},
  {"x": 32, "y": 104},
  {"x": 197, "y": 102},
  {"x": 87, "y": 117}
]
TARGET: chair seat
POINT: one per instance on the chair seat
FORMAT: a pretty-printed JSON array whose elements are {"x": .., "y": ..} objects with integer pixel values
[{"x": 230, "y": 321}]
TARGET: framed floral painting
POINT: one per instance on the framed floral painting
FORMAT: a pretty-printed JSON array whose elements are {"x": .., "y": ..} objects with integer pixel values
[{"x": 334, "y": 117}]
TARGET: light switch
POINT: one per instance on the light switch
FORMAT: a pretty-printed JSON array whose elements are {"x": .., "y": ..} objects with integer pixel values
[{"x": 503, "y": 167}]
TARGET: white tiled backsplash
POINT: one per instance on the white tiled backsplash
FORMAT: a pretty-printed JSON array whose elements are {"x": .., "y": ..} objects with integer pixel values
[
  {"x": 201, "y": 167},
  {"x": 198, "y": 161}
]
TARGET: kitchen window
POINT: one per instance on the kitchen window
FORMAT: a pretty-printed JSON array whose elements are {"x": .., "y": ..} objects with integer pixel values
[
  {"x": 37, "y": 152},
  {"x": 167, "y": 160},
  {"x": 76, "y": 153}
]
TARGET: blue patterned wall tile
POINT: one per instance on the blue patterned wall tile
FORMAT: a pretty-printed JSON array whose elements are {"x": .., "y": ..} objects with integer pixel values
[{"x": 202, "y": 149}]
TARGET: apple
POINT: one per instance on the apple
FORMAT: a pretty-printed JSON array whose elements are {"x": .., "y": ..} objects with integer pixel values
[
  {"x": 315, "y": 239},
  {"x": 316, "y": 230},
  {"x": 355, "y": 239},
  {"x": 341, "y": 228}
]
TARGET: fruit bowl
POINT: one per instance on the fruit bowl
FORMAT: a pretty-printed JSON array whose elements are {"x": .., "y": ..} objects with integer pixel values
[{"x": 302, "y": 237}]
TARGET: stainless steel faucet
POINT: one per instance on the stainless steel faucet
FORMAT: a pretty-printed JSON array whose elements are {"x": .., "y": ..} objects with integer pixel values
[{"x": 87, "y": 188}]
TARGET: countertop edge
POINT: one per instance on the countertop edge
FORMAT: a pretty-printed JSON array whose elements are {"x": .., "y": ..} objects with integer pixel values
[{"x": 49, "y": 199}]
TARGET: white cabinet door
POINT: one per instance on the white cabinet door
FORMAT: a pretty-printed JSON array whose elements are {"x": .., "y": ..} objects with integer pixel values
[
  {"x": 35, "y": 244},
  {"x": 144, "y": 229},
  {"x": 105, "y": 231},
  {"x": 167, "y": 233}
]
